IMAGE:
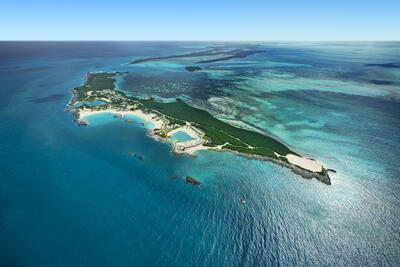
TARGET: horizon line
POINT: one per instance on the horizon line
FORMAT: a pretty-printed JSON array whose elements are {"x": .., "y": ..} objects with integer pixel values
[{"x": 83, "y": 40}]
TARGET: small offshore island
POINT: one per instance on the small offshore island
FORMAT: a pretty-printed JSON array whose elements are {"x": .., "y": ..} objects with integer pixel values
[{"x": 208, "y": 132}]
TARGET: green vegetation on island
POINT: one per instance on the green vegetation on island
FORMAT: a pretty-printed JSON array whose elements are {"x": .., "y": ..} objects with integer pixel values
[
  {"x": 101, "y": 86},
  {"x": 96, "y": 82},
  {"x": 99, "y": 93},
  {"x": 219, "y": 132}
]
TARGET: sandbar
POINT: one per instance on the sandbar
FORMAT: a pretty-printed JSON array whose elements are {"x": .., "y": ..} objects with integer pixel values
[{"x": 308, "y": 164}]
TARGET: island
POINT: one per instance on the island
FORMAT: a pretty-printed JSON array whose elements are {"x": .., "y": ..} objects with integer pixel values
[
  {"x": 191, "y": 180},
  {"x": 98, "y": 94},
  {"x": 219, "y": 54},
  {"x": 193, "y": 68}
]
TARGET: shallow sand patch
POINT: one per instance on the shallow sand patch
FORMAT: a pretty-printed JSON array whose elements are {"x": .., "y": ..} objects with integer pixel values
[
  {"x": 148, "y": 117},
  {"x": 308, "y": 164}
]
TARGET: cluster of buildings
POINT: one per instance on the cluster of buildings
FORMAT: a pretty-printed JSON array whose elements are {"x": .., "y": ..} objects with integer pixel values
[
  {"x": 114, "y": 97},
  {"x": 182, "y": 146}
]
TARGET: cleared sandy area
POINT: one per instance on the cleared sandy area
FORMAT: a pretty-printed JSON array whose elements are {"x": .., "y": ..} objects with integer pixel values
[
  {"x": 304, "y": 163},
  {"x": 191, "y": 150}
]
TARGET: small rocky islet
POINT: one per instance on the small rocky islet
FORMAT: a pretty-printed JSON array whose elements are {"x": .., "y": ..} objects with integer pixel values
[
  {"x": 193, "y": 68},
  {"x": 135, "y": 156},
  {"x": 191, "y": 180}
]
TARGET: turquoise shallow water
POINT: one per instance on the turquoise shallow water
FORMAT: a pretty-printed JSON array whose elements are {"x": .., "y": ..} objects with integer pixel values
[
  {"x": 72, "y": 196},
  {"x": 182, "y": 136},
  {"x": 91, "y": 104}
]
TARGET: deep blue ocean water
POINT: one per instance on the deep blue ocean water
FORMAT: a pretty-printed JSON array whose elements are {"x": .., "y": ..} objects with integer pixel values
[{"x": 71, "y": 196}]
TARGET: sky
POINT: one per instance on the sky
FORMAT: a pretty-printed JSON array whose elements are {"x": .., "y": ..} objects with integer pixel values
[{"x": 201, "y": 20}]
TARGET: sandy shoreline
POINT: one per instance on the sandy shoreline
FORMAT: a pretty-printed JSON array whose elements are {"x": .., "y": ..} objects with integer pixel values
[
  {"x": 197, "y": 144},
  {"x": 308, "y": 164},
  {"x": 149, "y": 118},
  {"x": 158, "y": 124}
]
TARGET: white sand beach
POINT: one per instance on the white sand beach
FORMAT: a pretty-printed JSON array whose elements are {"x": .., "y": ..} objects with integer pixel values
[
  {"x": 193, "y": 149},
  {"x": 190, "y": 147},
  {"x": 150, "y": 117},
  {"x": 308, "y": 164}
]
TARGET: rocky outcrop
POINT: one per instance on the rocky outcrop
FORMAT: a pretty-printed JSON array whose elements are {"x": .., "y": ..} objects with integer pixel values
[
  {"x": 193, "y": 68},
  {"x": 74, "y": 113},
  {"x": 74, "y": 97},
  {"x": 320, "y": 176},
  {"x": 191, "y": 180},
  {"x": 135, "y": 156},
  {"x": 82, "y": 123},
  {"x": 77, "y": 119}
]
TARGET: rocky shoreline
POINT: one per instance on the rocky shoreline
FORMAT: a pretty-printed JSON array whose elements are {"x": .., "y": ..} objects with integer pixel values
[
  {"x": 74, "y": 112},
  {"x": 322, "y": 177},
  {"x": 76, "y": 115},
  {"x": 74, "y": 96}
]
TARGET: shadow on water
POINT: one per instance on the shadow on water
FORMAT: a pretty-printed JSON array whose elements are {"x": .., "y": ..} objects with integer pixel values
[{"x": 50, "y": 98}]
